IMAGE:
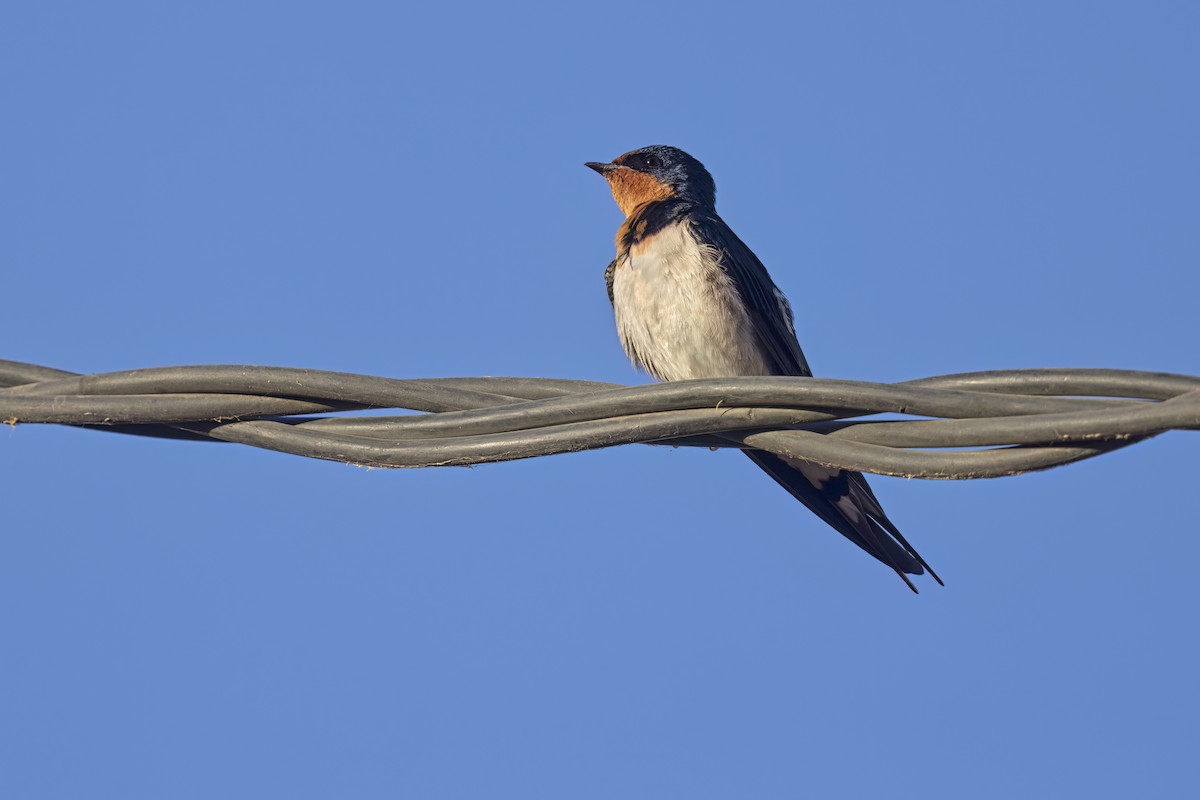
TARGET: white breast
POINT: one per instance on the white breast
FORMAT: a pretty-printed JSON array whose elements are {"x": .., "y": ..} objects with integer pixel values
[{"x": 678, "y": 314}]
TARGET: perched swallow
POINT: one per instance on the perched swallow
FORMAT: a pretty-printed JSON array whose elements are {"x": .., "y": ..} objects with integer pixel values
[{"x": 692, "y": 301}]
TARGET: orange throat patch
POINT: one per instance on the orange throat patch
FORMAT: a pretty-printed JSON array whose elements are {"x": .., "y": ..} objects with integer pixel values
[{"x": 631, "y": 189}]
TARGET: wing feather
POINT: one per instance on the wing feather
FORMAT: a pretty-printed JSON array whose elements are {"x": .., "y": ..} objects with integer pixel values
[{"x": 769, "y": 310}]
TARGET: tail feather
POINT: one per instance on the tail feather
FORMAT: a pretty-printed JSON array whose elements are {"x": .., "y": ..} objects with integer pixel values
[
  {"x": 844, "y": 500},
  {"x": 871, "y": 503}
]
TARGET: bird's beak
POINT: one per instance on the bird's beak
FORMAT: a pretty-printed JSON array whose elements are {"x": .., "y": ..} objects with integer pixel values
[{"x": 601, "y": 167}]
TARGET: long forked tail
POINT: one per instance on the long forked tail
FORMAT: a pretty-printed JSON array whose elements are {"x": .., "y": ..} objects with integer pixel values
[{"x": 846, "y": 503}]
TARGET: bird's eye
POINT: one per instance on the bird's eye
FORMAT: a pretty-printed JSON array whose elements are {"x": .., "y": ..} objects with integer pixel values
[{"x": 642, "y": 162}]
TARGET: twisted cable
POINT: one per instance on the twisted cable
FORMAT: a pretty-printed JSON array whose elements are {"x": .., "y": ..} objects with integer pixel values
[{"x": 1013, "y": 421}]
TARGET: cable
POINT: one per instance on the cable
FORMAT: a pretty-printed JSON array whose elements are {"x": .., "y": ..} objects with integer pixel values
[{"x": 1024, "y": 419}]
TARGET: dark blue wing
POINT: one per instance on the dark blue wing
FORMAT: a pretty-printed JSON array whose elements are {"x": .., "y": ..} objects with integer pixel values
[
  {"x": 843, "y": 499},
  {"x": 769, "y": 309}
]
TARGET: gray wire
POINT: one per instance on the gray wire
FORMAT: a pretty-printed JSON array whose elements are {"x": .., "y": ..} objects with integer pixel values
[{"x": 1027, "y": 419}]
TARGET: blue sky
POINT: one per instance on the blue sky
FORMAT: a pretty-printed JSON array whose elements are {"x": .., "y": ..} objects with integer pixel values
[{"x": 939, "y": 187}]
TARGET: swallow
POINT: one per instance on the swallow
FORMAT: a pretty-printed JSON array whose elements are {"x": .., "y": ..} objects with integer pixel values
[{"x": 691, "y": 300}]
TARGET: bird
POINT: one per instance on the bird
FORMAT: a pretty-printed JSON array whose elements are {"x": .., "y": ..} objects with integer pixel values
[{"x": 691, "y": 300}]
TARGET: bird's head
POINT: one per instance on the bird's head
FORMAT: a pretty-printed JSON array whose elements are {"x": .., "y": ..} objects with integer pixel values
[{"x": 657, "y": 172}]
